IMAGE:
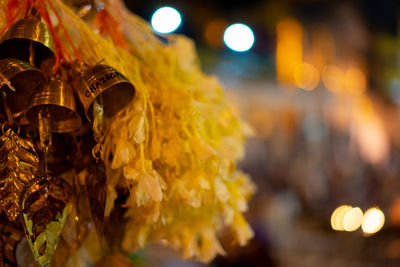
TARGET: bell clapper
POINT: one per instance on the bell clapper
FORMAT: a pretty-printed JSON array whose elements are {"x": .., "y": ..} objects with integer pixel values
[
  {"x": 32, "y": 53},
  {"x": 45, "y": 133}
]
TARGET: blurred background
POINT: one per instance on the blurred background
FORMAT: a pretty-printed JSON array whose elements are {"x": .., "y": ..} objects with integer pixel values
[{"x": 319, "y": 84}]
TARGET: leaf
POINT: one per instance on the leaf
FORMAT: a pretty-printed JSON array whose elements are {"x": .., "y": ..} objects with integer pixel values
[
  {"x": 45, "y": 207},
  {"x": 18, "y": 162}
]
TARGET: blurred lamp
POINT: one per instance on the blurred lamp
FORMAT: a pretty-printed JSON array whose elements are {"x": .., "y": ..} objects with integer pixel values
[
  {"x": 338, "y": 216},
  {"x": 352, "y": 219},
  {"x": 166, "y": 20},
  {"x": 239, "y": 37},
  {"x": 374, "y": 219}
]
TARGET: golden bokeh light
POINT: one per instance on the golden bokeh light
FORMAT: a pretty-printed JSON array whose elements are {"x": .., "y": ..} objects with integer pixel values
[
  {"x": 369, "y": 132},
  {"x": 333, "y": 78},
  {"x": 395, "y": 212},
  {"x": 289, "y": 49},
  {"x": 323, "y": 46},
  {"x": 337, "y": 217},
  {"x": 353, "y": 219},
  {"x": 355, "y": 81},
  {"x": 306, "y": 76},
  {"x": 373, "y": 221}
]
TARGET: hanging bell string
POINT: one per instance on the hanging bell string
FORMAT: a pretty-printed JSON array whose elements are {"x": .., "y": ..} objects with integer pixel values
[
  {"x": 45, "y": 133},
  {"x": 33, "y": 13},
  {"x": 98, "y": 127}
]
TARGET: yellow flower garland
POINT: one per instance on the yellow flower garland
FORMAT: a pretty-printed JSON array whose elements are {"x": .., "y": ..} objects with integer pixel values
[{"x": 175, "y": 146}]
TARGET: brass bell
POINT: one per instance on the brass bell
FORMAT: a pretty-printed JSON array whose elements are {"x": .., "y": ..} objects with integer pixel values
[
  {"x": 29, "y": 40},
  {"x": 104, "y": 83},
  {"x": 57, "y": 100},
  {"x": 18, "y": 80}
]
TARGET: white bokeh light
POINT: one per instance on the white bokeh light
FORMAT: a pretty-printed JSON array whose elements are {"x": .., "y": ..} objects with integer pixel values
[
  {"x": 374, "y": 219},
  {"x": 166, "y": 20},
  {"x": 239, "y": 37}
]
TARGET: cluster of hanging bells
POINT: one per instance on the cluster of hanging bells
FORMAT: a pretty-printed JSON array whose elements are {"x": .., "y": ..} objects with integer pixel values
[{"x": 31, "y": 93}]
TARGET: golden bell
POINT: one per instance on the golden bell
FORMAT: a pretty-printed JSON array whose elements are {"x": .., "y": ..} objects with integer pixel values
[
  {"x": 18, "y": 80},
  {"x": 29, "y": 40},
  {"x": 105, "y": 82},
  {"x": 58, "y": 100}
]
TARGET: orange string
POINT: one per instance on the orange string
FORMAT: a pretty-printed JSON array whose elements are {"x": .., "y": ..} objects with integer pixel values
[
  {"x": 60, "y": 50},
  {"x": 107, "y": 24},
  {"x": 14, "y": 8},
  {"x": 28, "y": 8},
  {"x": 66, "y": 33}
]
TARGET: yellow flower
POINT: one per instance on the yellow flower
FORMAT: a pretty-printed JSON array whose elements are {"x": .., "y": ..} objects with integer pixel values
[{"x": 175, "y": 146}]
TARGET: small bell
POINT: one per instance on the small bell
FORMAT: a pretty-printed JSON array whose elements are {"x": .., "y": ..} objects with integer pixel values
[
  {"x": 58, "y": 101},
  {"x": 18, "y": 80},
  {"x": 104, "y": 83},
  {"x": 29, "y": 40}
]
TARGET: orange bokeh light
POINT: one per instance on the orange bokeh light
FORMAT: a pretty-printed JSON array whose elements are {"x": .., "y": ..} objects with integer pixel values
[
  {"x": 355, "y": 81},
  {"x": 289, "y": 49},
  {"x": 214, "y": 31},
  {"x": 306, "y": 76},
  {"x": 333, "y": 78}
]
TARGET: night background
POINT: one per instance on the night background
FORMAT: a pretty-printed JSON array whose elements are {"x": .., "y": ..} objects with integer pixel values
[{"x": 325, "y": 138}]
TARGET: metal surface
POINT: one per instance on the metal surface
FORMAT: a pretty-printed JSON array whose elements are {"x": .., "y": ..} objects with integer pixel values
[
  {"x": 105, "y": 82},
  {"x": 58, "y": 99},
  {"x": 29, "y": 40},
  {"x": 24, "y": 79},
  {"x": 18, "y": 163}
]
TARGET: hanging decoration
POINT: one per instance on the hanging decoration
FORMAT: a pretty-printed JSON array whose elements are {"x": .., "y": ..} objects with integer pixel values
[
  {"x": 45, "y": 207},
  {"x": 18, "y": 164},
  {"x": 147, "y": 154}
]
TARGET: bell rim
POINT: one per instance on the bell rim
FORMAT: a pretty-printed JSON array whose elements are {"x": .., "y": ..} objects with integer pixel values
[
  {"x": 89, "y": 108},
  {"x": 21, "y": 68},
  {"x": 50, "y": 44}
]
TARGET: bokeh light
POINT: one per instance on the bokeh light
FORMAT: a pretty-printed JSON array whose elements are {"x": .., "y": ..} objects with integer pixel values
[
  {"x": 166, "y": 20},
  {"x": 306, "y": 76},
  {"x": 353, "y": 219},
  {"x": 289, "y": 49},
  {"x": 337, "y": 217},
  {"x": 374, "y": 219},
  {"x": 239, "y": 37},
  {"x": 355, "y": 81},
  {"x": 214, "y": 31},
  {"x": 369, "y": 131},
  {"x": 333, "y": 78}
]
